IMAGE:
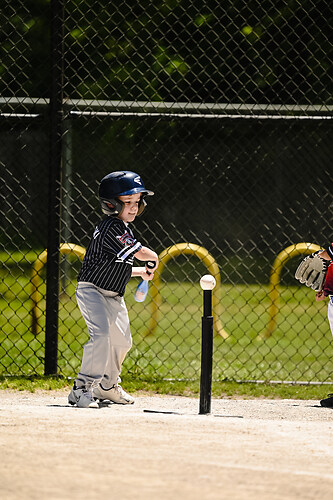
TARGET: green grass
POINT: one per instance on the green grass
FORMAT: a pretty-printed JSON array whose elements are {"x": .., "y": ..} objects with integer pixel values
[
  {"x": 300, "y": 349},
  {"x": 177, "y": 388}
]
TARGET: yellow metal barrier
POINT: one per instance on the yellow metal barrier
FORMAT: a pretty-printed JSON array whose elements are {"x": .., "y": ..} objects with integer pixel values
[
  {"x": 274, "y": 293},
  {"x": 212, "y": 268},
  {"x": 36, "y": 280},
  {"x": 165, "y": 256}
]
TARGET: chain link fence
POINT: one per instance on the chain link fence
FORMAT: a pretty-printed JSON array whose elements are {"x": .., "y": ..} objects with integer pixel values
[{"x": 225, "y": 110}]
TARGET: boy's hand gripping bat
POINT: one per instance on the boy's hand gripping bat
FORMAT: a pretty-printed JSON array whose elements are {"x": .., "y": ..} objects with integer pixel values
[{"x": 142, "y": 288}]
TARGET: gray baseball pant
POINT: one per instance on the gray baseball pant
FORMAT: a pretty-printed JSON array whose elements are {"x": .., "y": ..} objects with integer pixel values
[{"x": 106, "y": 316}]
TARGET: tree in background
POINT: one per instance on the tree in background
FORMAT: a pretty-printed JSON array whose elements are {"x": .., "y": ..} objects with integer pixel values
[{"x": 173, "y": 50}]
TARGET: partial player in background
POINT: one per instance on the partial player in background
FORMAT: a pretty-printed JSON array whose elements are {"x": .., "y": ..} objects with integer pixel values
[
  {"x": 316, "y": 271},
  {"x": 327, "y": 291},
  {"x": 106, "y": 269}
]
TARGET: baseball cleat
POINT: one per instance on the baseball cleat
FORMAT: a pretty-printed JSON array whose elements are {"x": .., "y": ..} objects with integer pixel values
[
  {"x": 328, "y": 402},
  {"x": 82, "y": 398},
  {"x": 116, "y": 394}
]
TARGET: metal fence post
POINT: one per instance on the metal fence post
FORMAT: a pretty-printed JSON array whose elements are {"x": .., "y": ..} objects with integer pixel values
[{"x": 54, "y": 202}]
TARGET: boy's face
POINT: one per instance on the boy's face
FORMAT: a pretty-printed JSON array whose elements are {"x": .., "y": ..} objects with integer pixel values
[{"x": 131, "y": 207}]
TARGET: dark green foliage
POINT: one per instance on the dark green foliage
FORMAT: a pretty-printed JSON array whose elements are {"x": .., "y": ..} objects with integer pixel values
[{"x": 232, "y": 51}]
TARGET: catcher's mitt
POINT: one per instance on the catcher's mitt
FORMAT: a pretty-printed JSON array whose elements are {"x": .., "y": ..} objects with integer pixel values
[{"x": 312, "y": 271}]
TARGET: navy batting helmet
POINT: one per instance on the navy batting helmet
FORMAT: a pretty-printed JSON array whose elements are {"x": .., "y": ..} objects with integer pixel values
[{"x": 118, "y": 184}]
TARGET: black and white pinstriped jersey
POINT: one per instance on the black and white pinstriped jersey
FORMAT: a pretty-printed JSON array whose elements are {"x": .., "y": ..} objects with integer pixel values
[{"x": 109, "y": 258}]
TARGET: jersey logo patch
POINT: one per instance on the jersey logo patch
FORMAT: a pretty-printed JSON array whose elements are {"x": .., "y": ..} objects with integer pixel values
[{"x": 126, "y": 239}]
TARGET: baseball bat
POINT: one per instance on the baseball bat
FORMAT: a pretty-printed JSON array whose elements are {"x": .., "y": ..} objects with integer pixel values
[{"x": 142, "y": 288}]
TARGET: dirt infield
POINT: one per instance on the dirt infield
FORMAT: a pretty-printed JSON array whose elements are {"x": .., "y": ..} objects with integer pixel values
[{"x": 161, "y": 448}]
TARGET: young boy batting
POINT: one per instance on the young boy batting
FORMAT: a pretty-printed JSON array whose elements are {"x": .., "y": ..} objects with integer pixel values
[{"x": 106, "y": 269}]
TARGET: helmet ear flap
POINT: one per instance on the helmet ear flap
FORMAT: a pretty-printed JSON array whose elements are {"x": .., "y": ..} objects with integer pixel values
[
  {"x": 112, "y": 206},
  {"x": 142, "y": 205}
]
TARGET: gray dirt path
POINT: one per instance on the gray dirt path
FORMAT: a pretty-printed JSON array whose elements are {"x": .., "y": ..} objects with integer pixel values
[{"x": 246, "y": 449}]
